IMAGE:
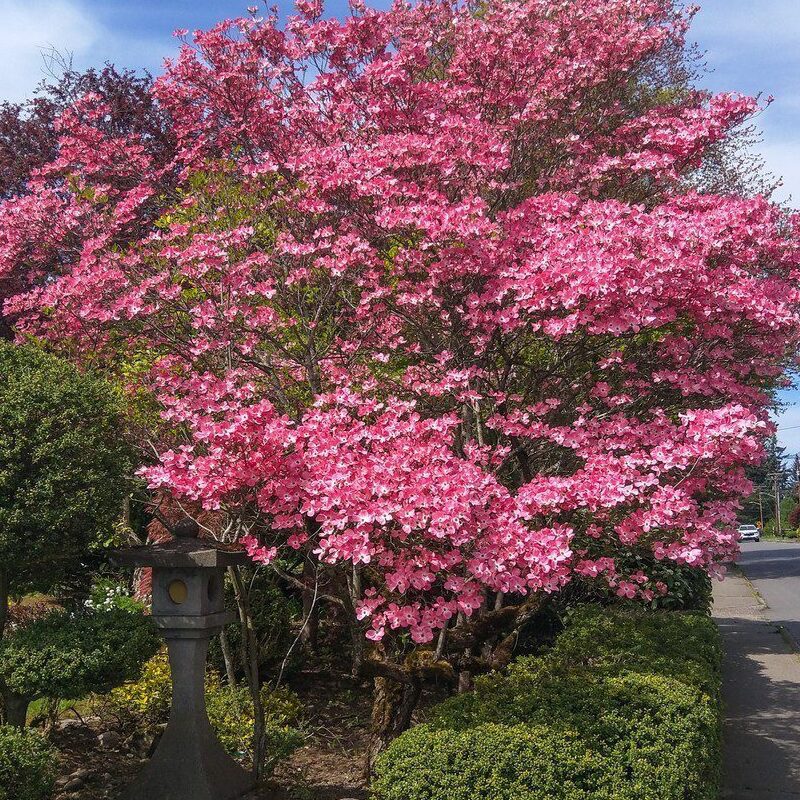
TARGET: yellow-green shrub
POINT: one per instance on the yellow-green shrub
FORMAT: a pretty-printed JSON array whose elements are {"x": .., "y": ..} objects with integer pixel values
[
  {"x": 230, "y": 711},
  {"x": 145, "y": 704}
]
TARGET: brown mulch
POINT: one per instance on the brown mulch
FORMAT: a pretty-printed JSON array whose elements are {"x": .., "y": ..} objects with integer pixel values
[
  {"x": 331, "y": 765},
  {"x": 102, "y": 771},
  {"x": 328, "y": 767}
]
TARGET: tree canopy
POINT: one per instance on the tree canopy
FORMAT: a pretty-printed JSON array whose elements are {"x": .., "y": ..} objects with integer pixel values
[
  {"x": 64, "y": 467},
  {"x": 432, "y": 299}
]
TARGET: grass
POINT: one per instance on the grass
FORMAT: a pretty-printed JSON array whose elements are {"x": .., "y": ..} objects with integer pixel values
[{"x": 41, "y": 708}]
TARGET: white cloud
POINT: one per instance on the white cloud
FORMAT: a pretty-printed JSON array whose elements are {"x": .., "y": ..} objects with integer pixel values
[{"x": 30, "y": 27}]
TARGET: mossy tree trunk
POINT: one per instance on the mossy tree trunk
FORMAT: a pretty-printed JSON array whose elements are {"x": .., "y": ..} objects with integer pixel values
[
  {"x": 398, "y": 690},
  {"x": 483, "y": 644},
  {"x": 393, "y": 706}
]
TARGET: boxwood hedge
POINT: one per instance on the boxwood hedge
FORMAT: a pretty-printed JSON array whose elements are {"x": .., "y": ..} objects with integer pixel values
[
  {"x": 625, "y": 706},
  {"x": 65, "y": 657}
]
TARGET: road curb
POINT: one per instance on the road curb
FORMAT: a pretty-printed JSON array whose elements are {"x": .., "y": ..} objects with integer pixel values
[
  {"x": 787, "y": 637},
  {"x": 751, "y": 586},
  {"x": 784, "y": 633}
]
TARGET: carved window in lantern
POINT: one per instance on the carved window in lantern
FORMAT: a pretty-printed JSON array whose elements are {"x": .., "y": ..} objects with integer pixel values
[{"x": 177, "y": 592}]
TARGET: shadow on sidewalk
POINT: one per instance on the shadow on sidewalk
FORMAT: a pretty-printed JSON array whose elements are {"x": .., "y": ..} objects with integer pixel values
[{"x": 761, "y": 690}]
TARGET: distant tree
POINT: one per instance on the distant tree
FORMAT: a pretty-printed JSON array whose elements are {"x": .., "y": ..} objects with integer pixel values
[
  {"x": 794, "y": 476},
  {"x": 773, "y": 464},
  {"x": 64, "y": 470},
  {"x": 761, "y": 503},
  {"x": 29, "y": 135}
]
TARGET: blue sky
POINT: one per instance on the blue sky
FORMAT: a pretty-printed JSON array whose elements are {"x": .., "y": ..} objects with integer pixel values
[{"x": 750, "y": 47}]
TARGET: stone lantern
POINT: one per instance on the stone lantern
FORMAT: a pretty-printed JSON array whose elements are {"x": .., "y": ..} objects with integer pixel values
[{"x": 189, "y": 608}]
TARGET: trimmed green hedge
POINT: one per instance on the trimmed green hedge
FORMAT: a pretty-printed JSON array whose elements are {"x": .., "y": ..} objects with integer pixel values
[
  {"x": 69, "y": 658},
  {"x": 625, "y": 706}
]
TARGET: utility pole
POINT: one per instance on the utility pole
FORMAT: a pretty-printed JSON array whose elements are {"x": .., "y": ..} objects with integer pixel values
[
  {"x": 760, "y": 510},
  {"x": 776, "y": 477}
]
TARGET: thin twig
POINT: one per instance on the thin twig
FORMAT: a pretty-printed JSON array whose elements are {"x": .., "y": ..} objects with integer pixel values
[{"x": 302, "y": 629}]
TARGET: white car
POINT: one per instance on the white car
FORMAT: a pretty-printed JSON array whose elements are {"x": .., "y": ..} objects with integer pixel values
[{"x": 749, "y": 533}]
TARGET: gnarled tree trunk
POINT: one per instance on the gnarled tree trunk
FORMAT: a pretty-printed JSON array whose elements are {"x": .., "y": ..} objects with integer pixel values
[
  {"x": 393, "y": 705},
  {"x": 482, "y": 644}
]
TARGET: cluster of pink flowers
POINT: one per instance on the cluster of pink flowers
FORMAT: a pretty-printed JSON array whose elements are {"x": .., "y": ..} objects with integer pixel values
[
  {"x": 384, "y": 489},
  {"x": 419, "y": 307}
]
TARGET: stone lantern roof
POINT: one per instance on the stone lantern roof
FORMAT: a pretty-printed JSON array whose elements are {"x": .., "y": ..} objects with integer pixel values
[{"x": 184, "y": 551}]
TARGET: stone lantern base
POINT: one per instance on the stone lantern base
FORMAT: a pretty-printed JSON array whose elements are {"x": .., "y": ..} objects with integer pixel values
[
  {"x": 203, "y": 771},
  {"x": 189, "y": 761}
]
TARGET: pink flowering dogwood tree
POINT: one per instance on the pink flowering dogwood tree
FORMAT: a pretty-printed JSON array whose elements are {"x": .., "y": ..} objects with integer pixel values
[{"x": 434, "y": 302}]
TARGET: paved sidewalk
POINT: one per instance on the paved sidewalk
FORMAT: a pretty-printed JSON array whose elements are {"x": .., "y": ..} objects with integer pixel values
[{"x": 761, "y": 686}]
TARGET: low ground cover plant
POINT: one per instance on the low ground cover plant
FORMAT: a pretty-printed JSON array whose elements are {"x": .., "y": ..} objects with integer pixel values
[
  {"x": 625, "y": 705},
  {"x": 27, "y": 765}
]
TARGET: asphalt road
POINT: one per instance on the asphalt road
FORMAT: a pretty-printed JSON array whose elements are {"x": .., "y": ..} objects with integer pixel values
[{"x": 774, "y": 569}]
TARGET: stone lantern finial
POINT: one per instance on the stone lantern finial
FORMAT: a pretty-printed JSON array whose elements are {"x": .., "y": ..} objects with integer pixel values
[{"x": 187, "y": 528}]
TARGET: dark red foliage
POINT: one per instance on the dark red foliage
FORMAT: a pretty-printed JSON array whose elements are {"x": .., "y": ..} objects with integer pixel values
[
  {"x": 170, "y": 512},
  {"x": 27, "y": 140},
  {"x": 24, "y": 613},
  {"x": 28, "y": 135}
]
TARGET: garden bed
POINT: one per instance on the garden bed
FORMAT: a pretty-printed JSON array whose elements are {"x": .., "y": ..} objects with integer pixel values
[{"x": 328, "y": 767}]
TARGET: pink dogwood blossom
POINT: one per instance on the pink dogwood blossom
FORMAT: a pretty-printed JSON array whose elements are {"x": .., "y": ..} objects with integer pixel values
[{"x": 430, "y": 296}]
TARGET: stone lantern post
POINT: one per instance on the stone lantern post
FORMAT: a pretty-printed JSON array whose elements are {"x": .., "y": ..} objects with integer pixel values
[{"x": 189, "y": 608}]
